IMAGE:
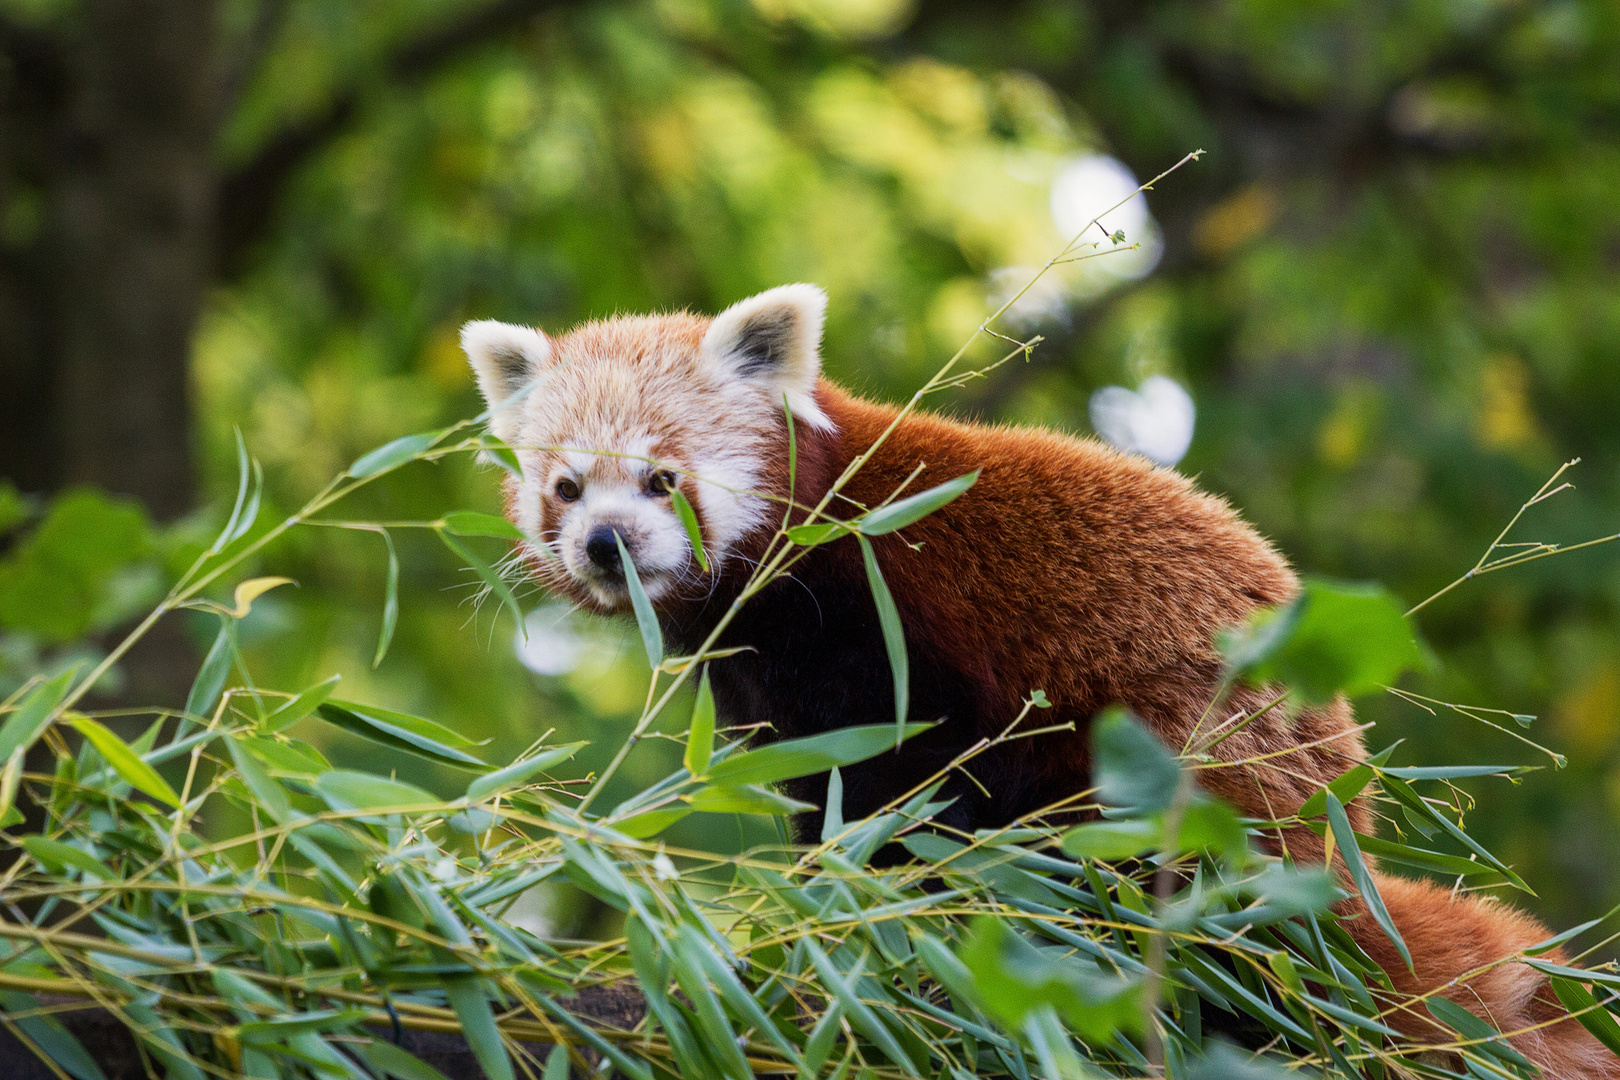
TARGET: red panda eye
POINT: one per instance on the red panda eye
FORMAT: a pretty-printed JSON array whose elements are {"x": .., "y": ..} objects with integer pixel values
[
  {"x": 661, "y": 482},
  {"x": 567, "y": 490}
]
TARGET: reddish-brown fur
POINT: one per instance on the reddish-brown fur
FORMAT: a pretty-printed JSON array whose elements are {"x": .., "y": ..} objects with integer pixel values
[
  {"x": 1070, "y": 568},
  {"x": 1100, "y": 578}
]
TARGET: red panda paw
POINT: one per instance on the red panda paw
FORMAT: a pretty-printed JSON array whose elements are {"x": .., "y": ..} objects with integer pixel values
[{"x": 1458, "y": 945}]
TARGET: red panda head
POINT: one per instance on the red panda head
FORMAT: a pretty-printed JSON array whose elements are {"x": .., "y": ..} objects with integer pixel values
[{"x": 611, "y": 416}]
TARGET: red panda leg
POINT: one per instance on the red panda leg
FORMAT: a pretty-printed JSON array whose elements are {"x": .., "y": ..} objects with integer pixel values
[{"x": 1451, "y": 936}]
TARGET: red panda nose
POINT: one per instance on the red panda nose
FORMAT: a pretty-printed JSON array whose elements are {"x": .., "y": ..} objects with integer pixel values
[{"x": 602, "y": 547}]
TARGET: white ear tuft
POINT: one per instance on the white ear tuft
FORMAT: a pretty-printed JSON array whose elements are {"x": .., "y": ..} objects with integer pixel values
[
  {"x": 505, "y": 358},
  {"x": 775, "y": 339}
]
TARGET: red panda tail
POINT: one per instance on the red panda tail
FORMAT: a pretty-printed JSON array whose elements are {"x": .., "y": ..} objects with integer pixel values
[{"x": 1451, "y": 937}]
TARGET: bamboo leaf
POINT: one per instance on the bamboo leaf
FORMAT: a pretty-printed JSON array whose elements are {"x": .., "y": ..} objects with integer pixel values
[
  {"x": 251, "y": 590},
  {"x": 394, "y": 454},
  {"x": 271, "y": 795},
  {"x": 894, "y": 637},
  {"x": 301, "y": 706},
  {"x": 395, "y": 1061},
  {"x": 700, "y": 736},
  {"x": 411, "y": 734},
  {"x": 811, "y": 754},
  {"x": 744, "y": 799},
  {"x": 24, "y": 726},
  {"x": 818, "y": 532},
  {"x": 496, "y": 583},
  {"x": 242, "y": 474},
  {"x": 516, "y": 773},
  {"x": 902, "y": 512},
  {"x": 1346, "y": 838},
  {"x": 466, "y": 994},
  {"x": 47, "y": 1033},
  {"x": 1558, "y": 939},
  {"x": 832, "y": 815},
  {"x": 689, "y": 521},
  {"x": 345, "y": 789},
  {"x": 125, "y": 761},
  {"x": 56, "y": 856},
  {"x": 1486, "y": 1038},
  {"x": 1593, "y": 1017},
  {"x": 473, "y": 523},
  {"x": 501, "y": 454},
  {"x": 652, "y": 636},
  {"x": 210, "y": 681},
  {"x": 390, "y": 612},
  {"x": 10, "y": 777}
]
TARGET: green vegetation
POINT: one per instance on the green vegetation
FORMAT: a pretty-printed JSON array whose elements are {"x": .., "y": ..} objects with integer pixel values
[
  {"x": 351, "y": 903},
  {"x": 346, "y": 904}
]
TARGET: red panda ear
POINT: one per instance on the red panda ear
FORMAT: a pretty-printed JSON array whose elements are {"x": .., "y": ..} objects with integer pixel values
[
  {"x": 774, "y": 339},
  {"x": 505, "y": 358}
]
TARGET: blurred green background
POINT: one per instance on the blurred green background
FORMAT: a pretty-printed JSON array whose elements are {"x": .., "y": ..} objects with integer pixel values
[{"x": 1391, "y": 288}]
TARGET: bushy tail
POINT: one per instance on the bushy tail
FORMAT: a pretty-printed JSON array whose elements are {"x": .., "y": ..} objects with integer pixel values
[{"x": 1452, "y": 937}]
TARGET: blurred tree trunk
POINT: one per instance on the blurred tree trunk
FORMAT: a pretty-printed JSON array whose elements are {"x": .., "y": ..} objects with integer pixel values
[
  {"x": 116, "y": 215},
  {"x": 132, "y": 253},
  {"x": 110, "y": 134}
]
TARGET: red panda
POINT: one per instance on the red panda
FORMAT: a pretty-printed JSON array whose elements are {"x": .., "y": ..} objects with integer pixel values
[{"x": 1092, "y": 575}]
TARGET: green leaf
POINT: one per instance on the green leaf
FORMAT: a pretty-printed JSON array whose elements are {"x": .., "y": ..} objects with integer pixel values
[
  {"x": 496, "y": 583},
  {"x": 860, "y": 1014},
  {"x": 301, "y": 706},
  {"x": 811, "y": 754},
  {"x": 1346, "y": 839},
  {"x": 394, "y": 454},
  {"x": 387, "y": 1058},
  {"x": 1335, "y": 637},
  {"x": 283, "y": 1027},
  {"x": 345, "y": 789},
  {"x": 1213, "y": 826},
  {"x": 1593, "y": 1017},
  {"x": 10, "y": 777},
  {"x": 1110, "y": 841},
  {"x": 817, "y": 533},
  {"x": 501, "y": 454},
  {"x": 652, "y": 636},
  {"x": 700, "y": 736},
  {"x": 243, "y": 472},
  {"x": 1013, "y": 978},
  {"x": 466, "y": 994},
  {"x": 516, "y": 773},
  {"x": 159, "y": 1037},
  {"x": 24, "y": 726},
  {"x": 47, "y": 1033},
  {"x": 832, "y": 815},
  {"x": 556, "y": 1064},
  {"x": 270, "y": 794},
  {"x": 899, "y": 514},
  {"x": 1347, "y": 786},
  {"x": 57, "y": 856},
  {"x": 894, "y": 636},
  {"x": 694, "y": 534},
  {"x": 652, "y": 822},
  {"x": 390, "y": 614},
  {"x": 411, "y": 734},
  {"x": 473, "y": 523},
  {"x": 745, "y": 799},
  {"x": 1486, "y": 1037},
  {"x": 1418, "y": 806},
  {"x": 1434, "y": 861},
  {"x": 210, "y": 681},
  {"x": 1130, "y": 767},
  {"x": 125, "y": 761},
  {"x": 1558, "y": 939}
]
